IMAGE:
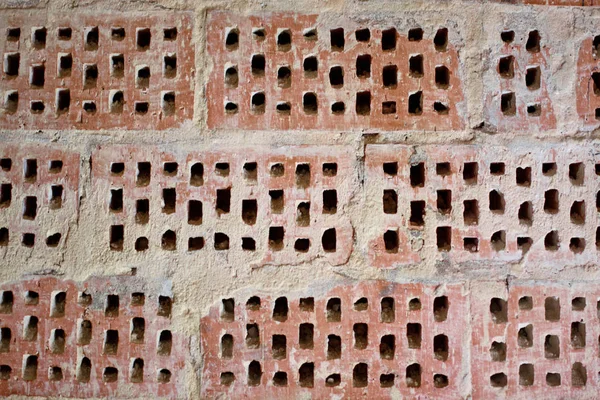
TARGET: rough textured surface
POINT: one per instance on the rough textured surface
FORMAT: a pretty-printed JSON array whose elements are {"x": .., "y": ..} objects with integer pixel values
[{"x": 526, "y": 99}]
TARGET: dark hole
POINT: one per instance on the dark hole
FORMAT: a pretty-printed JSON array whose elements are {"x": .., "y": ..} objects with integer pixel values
[
  {"x": 526, "y": 213},
  {"x": 440, "y": 40},
  {"x": 63, "y": 100},
  {"x": 170, "y": 66},
  {"x": 329, "y": 240},
  {"x": 307, "y": 375},
  {"x": 363, "y": 103},
  {"x": 440, "y": 347},
  {"x": 258, "y": 64},
  {"x": 117, "y": 102},
  {"x": 417, "y": 213},
  {"x": 28, "y": 239},
  {"x": 498, "y": 351},
  {"x": 142, "y": 211},
  {"x": 116, "y": 200},
  {"x": 551, "y": 241},
  {"x": 578, "y": 375},
  {"x": 388, "y": 313},
  {"x": 444, "y": 238},
  {"x": 387, "y": 347},
  {"x": 5, "y": 195},
  {"x": 280, "y": 378},
  {"x": 111, "y": 306},
  {"x": 13, "y": 34},
  {"x": 415, "y": 65},
  {"x": 11, "y": 64},
  {"x": 37, "y": 107},
  {"x": 338, "y": 108},
  {"x": 39, "y": 38},
  {"x": 334, "y": 347},
  {"x": 578, "y": 303},
  {"x": 415, "y": 34},
  {"x": 310, "y": 66},
  {"x": 223, "y": 204},
  {"x": 280, "y": 310},
  {"x": 116, "y": 237},
  {"x": 526, "y": 374},
  {"x": 170, "y": 168},
  {"x": 508, "y": 103},
  {"x": 309, "y": 102},
  {"x": 249, "y": 211},
  {"x": 252, "y": 336},
  {"x": 390, "y": 168},
  {"x": 498, "y": 380},
  {"x": 413, "y": 335},
  {"x": 524, "y": 176},
  {"x": 91, "y": 39},
  {"x": 232, "y": 39},
  {"x": 363, "y": 35},
  {"x": 169, "y": 200},
  {"x": 284, "y": 40},
  {"x": 197, "y": 174},
  {"x": 442, "y": 76},
  {"x": 337, "y": 39},
  {"x": 330, "y": 201},
  {"x": 533, "y": 78},
  {"x": 222, "y": 168},
  {"x": 413, "y": 375},
  {"x": 6, "y": 164},
  {"x": 118, "y": 65},
  {"x": 390, "y": 201},
  {"x": 497, "y": 202},
  {"x": 306, "y": 336},
  {"x": 143, "y": 39},
  {"x": 164, "y": 306},
  {"x": 89, "y": 107},
  {"x": 551, "y": 201},
  {"x": 444, "y": 201},
  {"x": 471, "y": 212},
  {"x": 302, "y": 245},
  {"x": 415, "y": 103},
  {"x": 417, "y": 175},
  {"x": 363, "y": 66},
  {"x": 578, "y": 212},
  {"x": 576, "y": 173},
  {"x": 37, "y": 77},
  {"x": 471, "y": 244},
  {"x": 525, "y": 336},
  {"x": 388, "y": 107},
  {"x": 553, "y": 379},
  {"x": 499, "y": 310},
  {"x": 284, "y": 108},
  {"x": 388, "y": 39},
  {"x": 506, "y": 67},
  {"x": 307, "y": 304},
  {"x": 284, "y": 77},
  {"x": 334, "y": 310},
  {"x": 443, "y": 168},
  {"x": 258, "y": 34},
  {"x": 390, "y": 76},
  {"x": 534, "y": 110},
  {"x": 533, "y": 42},
  {"x": 195, "y": 243},
  {"x": 195, "y": 212},
  {"x": 117, "y": 33},
  {"x": 141, "y": 244},
  {"x": 12, "y": 102},
  {"x": 303, "y": 214},
  {"x": 498, "y": 240},
  {"x": 440, "y": 308},
  {"x": 507, "y": 36},
  {"x": 303, "y": 175},
  {"x": 277, "y": 201},
  {"x": 330, "y": 169},
  {"x": 310, "y": 34},
  {"x": 90, "y": 76},
  {"x": 577, "y": 335},
  {"x": 141, "y": 107},
  {"x": 169, "y": 241},
  {"x": 170, "y": 34},
  {"x": 360, "y": 375},
  {"x": 390, "y": 239},
  {"x": 276, "y": 235}
]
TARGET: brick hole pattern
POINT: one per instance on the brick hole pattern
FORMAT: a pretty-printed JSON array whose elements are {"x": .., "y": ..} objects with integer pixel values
[
  {"x": 521, "y": 322},
  {"x": 588, "y": 81},
  {"x": 232, "y": 43},
  {"x": 163, "y": 101},
  {"x": 255, "y": 174},
  {"x": 39, "y": 199},
  {"x": 512, "y": 229},
  {"x": 18, "y": 302},
  {"x": 384, "y": 376},
  {"x": 521, "y": 69}
]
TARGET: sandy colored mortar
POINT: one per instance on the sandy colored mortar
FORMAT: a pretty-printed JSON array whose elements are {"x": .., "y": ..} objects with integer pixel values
[{"x": 199, "y": 280}]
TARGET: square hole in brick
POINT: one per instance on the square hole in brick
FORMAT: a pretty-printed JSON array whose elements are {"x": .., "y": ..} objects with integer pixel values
[
  {"x": 506, "y": 67},
  {"x": 38, "y": 37},
  {"x": 388, "y": 107},
  {"x": 37, "y": 76},
  {"x": 310, "y": 103},
  {"x": 415, "y": 103},
  {"x": 330, "y": 201},
  {"x": 117, "y": 33},
  {"x": 334, "y": 310},
  {"x": 63, "y": 100},
  {"x": 553, "y": 379},
  {"x": 440, "y": 108},
  {"x": 415, "y": 66},
  {"x": 498, "y": 351},
  {"x": 387, "y": 347},
  {"x": 498, "y": 240},
  {"x": 440, "y": 40},
  {"x": 307, "y": 304},
  {"x": 30, "y": 207},
  {"x": 578, "y": 212},
  {"x": 337, "y": 38},
  {"x": 361, "y": 336},
  {"x": 534, "y": 109},
  {"x": 5, "y": 195},
  {"x": 12, "y": 62},
  {"x": 329, "y": 240},
  {"x": 169, "y": 200},
  {"x": 471, "y": 212},
  {"x": 5, "y": 164},
  {"x": 302, "y": 245},
  {"x": 170, "y": 66},
  {"x": 276, "y": 236},
  {"x": 306, "y": 336},
  {"x": 526, "y": 374},
  {"x": 413, "y": 375},
  {"x": 221, "y": 241},
  {"x": 336, "y": 76},
  {"x": 497, "y": 168},
  {"x": 390, "y": 168},
  {"x": 525, "y": 303},
  {"x": 284, "y": 40},
  {"x": 168, "y": 103},
  {"x": 6, "y": 302},
  {"x": 443, "y": 169},
  {"x": 390, "y": 76},
  {"x": 170, "y": 34},
  {"x": 578, "y": 303},
  {"x": 310, "y": 67},
  {"x": 508, "y": 104},
  {"x": 223, "y": 204},
  {"x": 116, "y": 237},
  {"x": 197, "y": 174},
  {"x": 391, "y": 241},
  {"x": 390, "y": 201},
  {"x": 389, "y": 38},
  {"x": 577, "y": 245},
  {"x": 417, "y": 213},
  {"x": 117, "y": 101},
  {"x": 576, "y": 173},
  {"x": 523, "y": 176},
  {"x": 388, "y": 313},
  {"x": 363, "y": 66},
  {"x": 258, "y": 63},
  {"x": 471, "y": 244},
  {"x": 143, "y": 38},
  {"x": 362, "y": 304},
  {"x": 141, "y": 107},
  {"x": 551, "y": 241},
  {"x": 142, "y": 211},
  {"x": 549, "y": 168},
  {"x": 444, "y": 201},
  {"x": 499, "y": 310},
  {"x": 90, "y": 76},
  {"x": 11, "y": 101},
  {"x": 277, "y": 201},
  {"x": 525, "y": 336},
  {"x": 444, "y": 238},
  {"x": 13, "y": 34},
  {"x": 417, "y": 175},
  {"x": 92, "y": 37},
  {"x": 507, "y": 36},
  {"x": 533, "y": 77},
  {"x": 551, "y": 201},
  {"x": 141, "y": 244},
  {"x": 525, "y": 213}
]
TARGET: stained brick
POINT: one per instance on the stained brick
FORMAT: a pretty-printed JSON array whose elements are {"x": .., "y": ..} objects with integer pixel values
[
  {"x": 38, "y": 195},
  {"x": 588, "y": 81},
  {"x": 547, "y": 346},
  {"x": 332, "y": 74},
  {"x": 97, "y": 71},
  {"x": 471, "y": 203},
  {"x": 516, "y": 84},
  {"x": 45, "y": 318},
  {"x": 279, "y": 206},
  {"x": 347, "y": 341}
]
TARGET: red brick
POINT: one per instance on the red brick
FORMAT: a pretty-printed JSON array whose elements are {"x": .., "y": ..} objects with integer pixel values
[
  {"x": 76, "y": 311},
  {"x": 415, "y": 239},
  {"x": 528, "y": 107},
  {"x": 241, "y": 188},
  {"x": 215, "y": 325},
  {"x": 588, "y": 96},
  {"x": 240, "y": 55},
  {"x": 504, "y": 327},
  {"x": 100, "y": 56},
  {"x": 52, "y": 187}
]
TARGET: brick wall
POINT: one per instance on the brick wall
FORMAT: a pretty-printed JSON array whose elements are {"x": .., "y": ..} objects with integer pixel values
[{"x": 356, "y": 198}]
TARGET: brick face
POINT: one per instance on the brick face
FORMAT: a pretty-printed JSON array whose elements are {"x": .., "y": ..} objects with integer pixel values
[
  {"x": 335, "y": 74},
  {"x": 542, "y": 337},
  {"x": 588, "y": 82},
  {"x": 279, "y": 206},
  {"x": 459, "y": 201},
  {"x": 422, "y": 359},
  {"x": 39, "y": 196},
  {"x": 45, "y": 339},
  {"x": 97, "y": 71}
]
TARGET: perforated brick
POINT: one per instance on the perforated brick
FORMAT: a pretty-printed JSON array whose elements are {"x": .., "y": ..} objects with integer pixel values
[
  {"x": 97, "y": 71},
  {"x": 375, "y": 338},
  {"x": 38, "y": 196},
  {"x": 588, "y": 81},
  {"x": 292, "y": 71},
  {"x": 470, "y": 203},
  {"x": 103, "y": 337},
  {"x": 272, "y": 206},
  {"x": 536, "y": 340},
  {"x": 516, "y": 82}
]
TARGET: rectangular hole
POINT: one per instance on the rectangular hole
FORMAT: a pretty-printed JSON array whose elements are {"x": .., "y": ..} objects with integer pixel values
[
  {"x": 470, "y": 171},
  {"x": 391, "y": 241},
  {"x": 388, "y": 107},
  {"x": 12, "y": 61},
  {"x": 252, "y": 336},
  {"x": 91, "y": 38},
  {"x": 576, "y": 173},
  {"x": 390, "y": 201},
  {"x": 444, "y": 238},
  {"x": 417, "y": 175},
  {"x": 58, "y": 304},
  {"x": 334, "y": 347},
  {"x": 11, "y": 101},
  {"x": 506, "y": 67},
  {"x": 165, "y": 343},
  {"x": 388, "y": 314},
  {"x": 197, "y": 174},
  {"x": 303, "y": 175},
  {"x": 258, "y": 63},
  {"x": 337, "y": 39},
  {"x": 30, "y": 172},
  {"x": 90, "y": 76},
  {"x": 57, "y": 341},
  {"x": 117, "y": 65},
  {"x": 415, "y": 66},
  {"x": 30, "y": 207},
  {"x": 227, "y": 346},
  {"x": 551, "y": 201},
  {"x": 334, "y": 310},
  {"x": 330, "y": 201},
  {"x": 415, "y": 103},
  {"x": 138, "y": 329},
  {"x": 30, "y": 367},
  {"x": 276, "y": 235},
  {"x": 497, "y": 202},
  {"x": 63, "y": 100},
  {"x": 388, "y": 39},
  {"x": 444, "y": 201},
  {"x": 533, "y": 77},
  {"x": 417, "y": 213},
  {"x": 329, "y": 240},
  {"x": 143, "y": 174},
  {"x": 279, "y": 347},
  {"x": 111, "y": 342},
  {"x": 387, "y": 347},
  {"x": 552, "y": 308},
  {"x": 306, "y": 336},
  {"x": 169, "y": 199},
  {"x": 363, "y": 103},
  {"x": 303, "y": 214},
  {"x": 413, "y": 335},
  {"x": 363, "y": 66},
  {"x": 361, "y": 336},
  {"x": 84, "y": 332},
  {"x": 6, "y": 302},
  {"x": 30, "y": 328},
  {"x": 5, "y": 338},
  {"x": 223, "y": 203},
  {"x": 471, "y": 212},
  {"x": 116, "y": 102},
  {"x": 195, "y": 212},
  {"x": 143, "y": 38},
  {"x": 116, "y": 200},
  {"x": 142, "y": 211},
  {"x": 165, "y": 304},
  {"x": 170, "y": 66},
  {"x": 5, "y": 195},
  {"x": 39, "y": 37},
  {"x": 578, "y": 335},
  {"x": 508, "y": 104}
]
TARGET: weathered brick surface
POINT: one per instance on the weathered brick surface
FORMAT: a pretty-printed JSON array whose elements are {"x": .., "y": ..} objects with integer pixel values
[
  {"x": 39, "y": 198},
  {"x": 41, "y": 323},
  {"x": 411, "y": 59},
  {"x": 588, "y": 82},
  {"x": 246, "y": 202},
  {"x": 505, "y": 211},
  {"x": 413, "y": 327},
  {"x": 93, "y": 58},
  {"x": 543, "y": 338},
  {"x": 516, "y": 83}
]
